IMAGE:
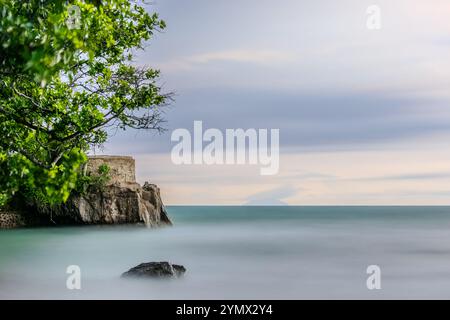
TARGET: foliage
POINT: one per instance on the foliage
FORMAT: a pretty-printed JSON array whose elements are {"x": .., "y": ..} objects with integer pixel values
[
  {"x": 93, "y": 182},
  {"x": 62, "y": 88},
  {"x": 47, "y": 186}
]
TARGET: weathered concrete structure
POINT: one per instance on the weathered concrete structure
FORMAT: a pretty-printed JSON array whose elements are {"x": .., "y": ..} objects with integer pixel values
[{"x": 122, "y": 168}]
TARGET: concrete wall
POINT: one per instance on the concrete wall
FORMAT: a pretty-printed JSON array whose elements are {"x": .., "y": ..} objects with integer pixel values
[{"x": 122, "y": 168}]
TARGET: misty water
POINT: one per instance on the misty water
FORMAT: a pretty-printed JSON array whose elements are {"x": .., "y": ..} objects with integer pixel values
[{"x": 240, "y": 253}]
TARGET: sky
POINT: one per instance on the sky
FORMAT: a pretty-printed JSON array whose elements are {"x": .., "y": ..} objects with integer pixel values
[{"x": 363, "y": 115}]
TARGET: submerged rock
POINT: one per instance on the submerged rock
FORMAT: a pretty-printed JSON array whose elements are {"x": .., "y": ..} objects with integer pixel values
[{"x": 155, "y": 270}]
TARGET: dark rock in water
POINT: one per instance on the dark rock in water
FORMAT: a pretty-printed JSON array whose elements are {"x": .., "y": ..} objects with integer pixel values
[{"x": 155, "y": 270}]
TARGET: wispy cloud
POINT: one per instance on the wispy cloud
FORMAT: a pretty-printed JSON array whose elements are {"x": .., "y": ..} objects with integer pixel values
[
  {"x": 410, "y": 176},
  {"x": 264, "y": 57}
]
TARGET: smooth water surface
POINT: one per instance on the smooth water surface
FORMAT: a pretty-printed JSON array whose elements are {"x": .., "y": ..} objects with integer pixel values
[{"x": 240, "y": 253}]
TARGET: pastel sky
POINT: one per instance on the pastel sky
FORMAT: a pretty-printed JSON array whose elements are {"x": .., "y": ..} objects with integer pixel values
[{"x": 364, "y": 115}]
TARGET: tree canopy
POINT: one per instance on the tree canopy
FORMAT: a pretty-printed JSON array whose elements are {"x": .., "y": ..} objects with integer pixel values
[{"x": 62, "y": 86}]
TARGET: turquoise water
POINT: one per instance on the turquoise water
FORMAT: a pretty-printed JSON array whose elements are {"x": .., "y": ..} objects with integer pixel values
[{"x": 240, "y": 253}]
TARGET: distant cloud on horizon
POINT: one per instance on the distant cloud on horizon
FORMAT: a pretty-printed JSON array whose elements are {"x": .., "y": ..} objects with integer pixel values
[{"x": 272, "y": 197}]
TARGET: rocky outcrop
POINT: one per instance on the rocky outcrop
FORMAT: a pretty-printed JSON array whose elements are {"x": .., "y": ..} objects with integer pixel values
[
  {"x": 121, "y": 201},
  {"x": 155, "y": 270},
  {"x": 114, "y": 204},
  {"x": 11, "y": 219},
  {"x": 20, "y": 215}
]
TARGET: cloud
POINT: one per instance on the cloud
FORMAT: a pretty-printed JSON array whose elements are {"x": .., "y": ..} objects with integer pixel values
[
  {"x": 410, "y": 176},
  {"x": 272, "y": 197},
  {"x": 252, "y": 56},
  {"x": 317, "y": 46},
  {"x": 329, "y": 121},
  {"x": 364, "y": 116},
  {"x": 243, "y": 56}
]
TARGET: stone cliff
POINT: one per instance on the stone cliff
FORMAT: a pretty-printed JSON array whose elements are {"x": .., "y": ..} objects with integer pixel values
[{"x": 121, "y": 201}]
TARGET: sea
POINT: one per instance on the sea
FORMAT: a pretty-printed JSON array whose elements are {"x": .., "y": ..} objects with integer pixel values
[{"x": 240, "y": 252}]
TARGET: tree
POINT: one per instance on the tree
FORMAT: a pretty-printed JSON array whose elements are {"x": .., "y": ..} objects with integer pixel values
[{"x": 61, "y": 88}]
